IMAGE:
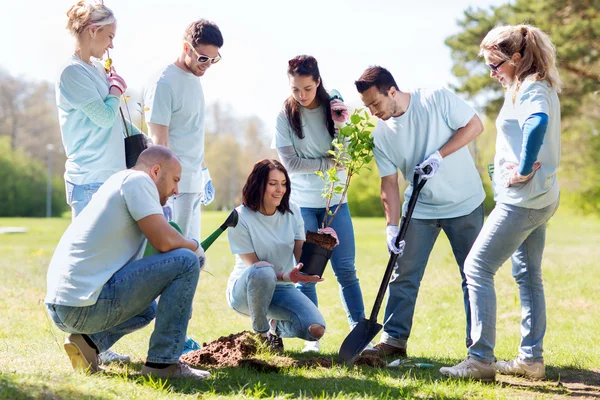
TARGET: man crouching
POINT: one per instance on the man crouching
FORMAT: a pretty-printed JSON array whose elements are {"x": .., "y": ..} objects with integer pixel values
[{"x": 99, "y": 287}]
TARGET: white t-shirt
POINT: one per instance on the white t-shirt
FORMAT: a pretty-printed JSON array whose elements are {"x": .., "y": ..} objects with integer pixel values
[
  {"x": 432, "y": 118},
  {"x": 542, "y": 190},
  {"x": 102, "y": 239},
  {"x": 93, "y": 153},
  {"x": 307, "y": 189},
  {"x": 175, "y": 99},
  {"x": 271, "y": 237}
]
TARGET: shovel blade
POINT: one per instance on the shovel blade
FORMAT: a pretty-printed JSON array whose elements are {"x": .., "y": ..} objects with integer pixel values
[
  {"x": 358, "y": 339},
  {"x": 231, "y": 220}
]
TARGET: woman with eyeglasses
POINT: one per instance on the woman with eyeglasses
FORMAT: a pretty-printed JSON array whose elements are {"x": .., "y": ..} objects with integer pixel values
[
  {"x": 88, "y": 101},
  {"x": 267, "y": 243},
  {"x": 523, "y": 59},
  {"x": 304, "y": 132}
]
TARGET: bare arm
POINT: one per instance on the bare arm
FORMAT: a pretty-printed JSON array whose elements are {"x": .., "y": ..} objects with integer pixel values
[
  {"x": 159, "y": 134},
  {"x": 463, "y": 136},
  {"x": 390, "y": 197},
  {"x": 162, "y": 236}
]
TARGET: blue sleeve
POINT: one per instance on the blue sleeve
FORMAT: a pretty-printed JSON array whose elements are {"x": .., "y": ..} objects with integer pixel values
[
  {"x": 534, "y": 130},
  {"x": 78, "y": 88}
]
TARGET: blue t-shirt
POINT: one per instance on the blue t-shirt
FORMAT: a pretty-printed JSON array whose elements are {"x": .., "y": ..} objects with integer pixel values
[
  {"x": 432, "y": 118},
  {"x": 307, "y": 189},
  {"x": 543, "y": 189},
  {"x": 271, "y": 237},
  {"x": 102, "y": 239},
  {"x": 93, "y": 153},
  {"x": 176, "y": 100}
]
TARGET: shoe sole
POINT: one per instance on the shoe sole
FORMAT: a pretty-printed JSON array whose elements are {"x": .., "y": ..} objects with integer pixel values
[
  {"x": 78, "y": 360},
  {"x": 470, "y": 378}
]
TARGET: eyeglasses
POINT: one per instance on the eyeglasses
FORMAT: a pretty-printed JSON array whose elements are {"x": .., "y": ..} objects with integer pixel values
[
  {"x": 204, "y": 59},
  {"x": 495, "y": 67}
]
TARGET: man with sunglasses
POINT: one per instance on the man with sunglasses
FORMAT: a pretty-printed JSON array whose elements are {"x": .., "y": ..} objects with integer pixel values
[
  {"x": 419, "y": 129},
  {"x": 175, "y": 116}
]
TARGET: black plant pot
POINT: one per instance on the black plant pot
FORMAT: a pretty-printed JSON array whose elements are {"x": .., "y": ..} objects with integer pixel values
[
  {"x": 134, "y": 145},
  {"x": 314, "y": 258}
]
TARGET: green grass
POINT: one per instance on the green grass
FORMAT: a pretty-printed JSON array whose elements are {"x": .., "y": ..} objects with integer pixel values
[{"x": 33, "y": 364}]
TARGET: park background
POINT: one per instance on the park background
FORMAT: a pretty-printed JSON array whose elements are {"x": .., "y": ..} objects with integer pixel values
[{"x": 429, "y": 43}]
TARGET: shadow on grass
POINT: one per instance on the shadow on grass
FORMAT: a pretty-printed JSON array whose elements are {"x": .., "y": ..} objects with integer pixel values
[{"x": 11, "y": 388}]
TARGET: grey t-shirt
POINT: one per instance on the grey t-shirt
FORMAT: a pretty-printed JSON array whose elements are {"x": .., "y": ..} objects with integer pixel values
[{"x": 102, "y": 239}]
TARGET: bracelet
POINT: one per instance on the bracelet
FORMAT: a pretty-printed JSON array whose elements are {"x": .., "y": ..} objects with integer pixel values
[
  {"x": 197, "y": 244},
  {"x": 115, "y": 86}
]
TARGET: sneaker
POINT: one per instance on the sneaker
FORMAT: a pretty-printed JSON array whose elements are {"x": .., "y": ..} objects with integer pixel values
[
  {"x": 190, "y": 345},
  {"x": 82, "y": 355},
  {"x": 311, "y": 346},
  {"x": 471, "y": 369},
  {"x": 109, "y": 356},
  {"x": 533, "y": 370},
  {"x": 384, "y": 350},
  {"x": 179, "y": 370}
]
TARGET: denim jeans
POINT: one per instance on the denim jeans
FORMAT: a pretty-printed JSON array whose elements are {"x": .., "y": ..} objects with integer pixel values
[
  {"x": 342, "y": 261},
  {"x": 127, "y": 303},
  {"x": 257, "y": 295},
  {"x": 408, "y": 273},
  {"x": 78, "y": 196},
  {"x": 519, "y": 234}
]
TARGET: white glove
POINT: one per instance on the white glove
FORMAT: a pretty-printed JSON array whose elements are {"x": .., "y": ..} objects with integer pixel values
[
  {"x": 392, "y": 233},
  {"x": 209, "y": 190},
  {"x": 200, "y": 253},
  {"x": 433, "y": 161}
]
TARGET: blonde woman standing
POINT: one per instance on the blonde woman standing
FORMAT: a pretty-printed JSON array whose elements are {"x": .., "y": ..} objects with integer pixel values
[{"x": 523, "y": 59}]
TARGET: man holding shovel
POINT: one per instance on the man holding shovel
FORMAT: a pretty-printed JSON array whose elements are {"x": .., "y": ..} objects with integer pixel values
[
  {"x": 99, "y": 286},
  {"x": 419, "y": 129}
]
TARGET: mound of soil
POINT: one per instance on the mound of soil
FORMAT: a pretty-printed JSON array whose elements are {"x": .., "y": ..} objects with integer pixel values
[
  {"x": 370, "y": 361},
  {"x": 321, "y": 239}
]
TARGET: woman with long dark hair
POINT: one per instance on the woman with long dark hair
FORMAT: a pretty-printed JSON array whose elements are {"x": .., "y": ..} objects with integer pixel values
[
  {"x": 267, "y": 243},
  {"x": 305, "y": 130}
]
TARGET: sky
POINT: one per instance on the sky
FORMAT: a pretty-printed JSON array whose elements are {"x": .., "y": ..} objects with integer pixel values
[{"x": 406, "y": 37}]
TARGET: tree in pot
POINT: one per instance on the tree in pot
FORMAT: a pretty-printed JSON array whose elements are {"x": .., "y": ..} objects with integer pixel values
[{"x": 352, "y": 150}]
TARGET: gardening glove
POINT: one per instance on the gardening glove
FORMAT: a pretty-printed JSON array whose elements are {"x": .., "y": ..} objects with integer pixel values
[
  {"x": 209, "y": 190},
  {"x": 511, "y": 174},
  {"x": 392, "y": 233},
  {"x": 295, "y": 276},
  {"x": 433, "y": 161},
  {"x": 200, "y": 253},
  {"x": 168, "y": 213},
  {"x": 339, "y": 111},
  {"x": 116, "y": 80},
  {"x": 331, "y": 232}
]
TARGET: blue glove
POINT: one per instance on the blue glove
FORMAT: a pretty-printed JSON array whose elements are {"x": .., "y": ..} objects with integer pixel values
[{"x": 209, "y": 190}]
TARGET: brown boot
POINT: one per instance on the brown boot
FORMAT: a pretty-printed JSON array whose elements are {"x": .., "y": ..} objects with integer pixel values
[
  {"x": 82, "y": 355},
  {"x": 382, "y": 350}
]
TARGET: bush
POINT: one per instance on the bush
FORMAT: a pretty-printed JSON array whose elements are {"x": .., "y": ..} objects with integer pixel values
[{"x": 23, "y": 185}]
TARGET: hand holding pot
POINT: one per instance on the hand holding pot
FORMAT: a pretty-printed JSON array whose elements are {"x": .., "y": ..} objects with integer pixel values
[{"x": 296, "y": 276}]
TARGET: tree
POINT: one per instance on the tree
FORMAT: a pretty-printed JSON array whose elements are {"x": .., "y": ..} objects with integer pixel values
[{"x": 574, "y": 27}]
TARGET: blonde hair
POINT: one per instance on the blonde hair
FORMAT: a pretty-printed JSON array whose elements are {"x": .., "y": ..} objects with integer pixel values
[
  {"x": 84, "y": 15},
  {"x": 538, "y": 54}
]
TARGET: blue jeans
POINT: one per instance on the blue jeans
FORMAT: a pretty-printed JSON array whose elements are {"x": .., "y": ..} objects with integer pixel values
[
  {"x": 519, "y": 234},
  {"x": 127, "y": 303},
  {"x": 257, "y": 295},
  {"x": 78, "y": 196},
  {"x": 342, "y": 261},
  {"x": 408, "y": 273}
]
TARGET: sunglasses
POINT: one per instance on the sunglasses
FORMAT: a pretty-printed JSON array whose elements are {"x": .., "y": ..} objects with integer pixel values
[
  {"x": 204, "y": 59},
  {"x": 495, "y": 67}
]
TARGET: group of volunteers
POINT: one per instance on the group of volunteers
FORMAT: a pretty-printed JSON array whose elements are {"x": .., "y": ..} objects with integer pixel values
[{"x": 101, "y": 287}]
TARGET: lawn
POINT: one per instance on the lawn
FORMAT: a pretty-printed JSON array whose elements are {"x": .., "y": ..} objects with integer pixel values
[{"x": 34, "y": 365}]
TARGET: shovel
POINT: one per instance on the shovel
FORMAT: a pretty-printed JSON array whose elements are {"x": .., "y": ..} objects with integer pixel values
[
  {"x": 230, "y": 222},
  {"x": 367, "y": 329}
]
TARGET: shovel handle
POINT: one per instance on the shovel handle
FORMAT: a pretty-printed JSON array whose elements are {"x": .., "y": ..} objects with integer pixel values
[{"x": 417, "y": 186}]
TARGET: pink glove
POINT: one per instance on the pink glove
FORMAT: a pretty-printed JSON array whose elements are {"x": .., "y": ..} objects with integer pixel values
[
  {"x": 329, "y": 231},
  {"x": 116, "y": 80},
  {"x": 295, "y": 276},
  {"x": 512, "y": 177},
  {"x": 339, "y": 111}
]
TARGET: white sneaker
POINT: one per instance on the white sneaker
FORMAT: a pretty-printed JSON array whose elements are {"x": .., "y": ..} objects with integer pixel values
[
  {"x": 311, "y": 346},
  {"x": 179, "y": 370},
  {"x": 109, "y": 356},
  {"x": 473, "y": 369},
  {"x": 533, "y": 370}
]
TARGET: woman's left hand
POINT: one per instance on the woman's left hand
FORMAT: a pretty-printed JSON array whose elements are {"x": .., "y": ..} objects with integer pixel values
[
  {"x": 514, "y": 177},
  {"x": 296, "y": 276}
]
